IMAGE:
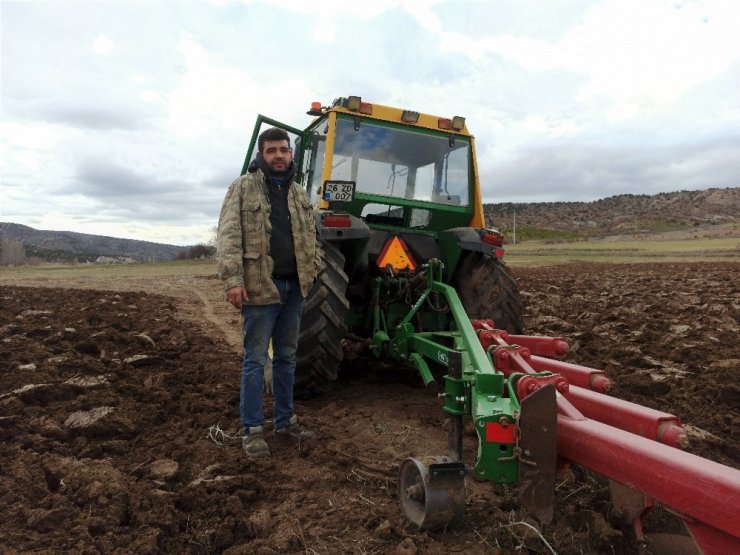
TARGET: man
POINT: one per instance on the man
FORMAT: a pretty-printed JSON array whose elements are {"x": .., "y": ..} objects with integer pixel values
[{"x": 267, "y": 262}]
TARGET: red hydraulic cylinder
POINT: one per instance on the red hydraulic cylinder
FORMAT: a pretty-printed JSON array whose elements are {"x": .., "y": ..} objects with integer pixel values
[
  {"x": 581, "y": 376},
  {"x": 633, "y": 418},
  {"x": 694, "y": 487},
  {"x": 555, "y": 347}
]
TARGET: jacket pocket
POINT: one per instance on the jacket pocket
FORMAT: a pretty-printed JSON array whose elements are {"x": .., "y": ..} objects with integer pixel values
[
  {"x": 304, "y": 206},
  {"x": 252, "y": 271},
  {"x": 252, "y": 216}
]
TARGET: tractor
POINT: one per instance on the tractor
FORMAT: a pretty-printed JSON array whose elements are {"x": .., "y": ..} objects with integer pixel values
[
  {"x": 395, "y": 189},
  {"x": 409, "y": 268}
]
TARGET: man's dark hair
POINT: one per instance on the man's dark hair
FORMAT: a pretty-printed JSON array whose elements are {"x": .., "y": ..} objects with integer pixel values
[{"x": 272, "y": 134}]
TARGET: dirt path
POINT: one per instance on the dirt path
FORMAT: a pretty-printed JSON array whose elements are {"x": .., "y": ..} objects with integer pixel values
[
  {"x": 118, "y": 405},
  {"x": 218, "y": 312}
]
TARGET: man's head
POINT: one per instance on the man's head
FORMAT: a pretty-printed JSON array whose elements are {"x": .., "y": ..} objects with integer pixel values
[{"x": 274, "y": 146}]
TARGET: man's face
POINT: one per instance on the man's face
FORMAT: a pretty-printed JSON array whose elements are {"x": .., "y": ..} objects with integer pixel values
[{"x": 277, "y": 155}]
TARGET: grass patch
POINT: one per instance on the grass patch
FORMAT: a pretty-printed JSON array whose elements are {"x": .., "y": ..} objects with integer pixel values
[
  {"x": 524, "y": 233},
  {"x": 177, "y": 267},
  {"x": 621, "y": 252}
]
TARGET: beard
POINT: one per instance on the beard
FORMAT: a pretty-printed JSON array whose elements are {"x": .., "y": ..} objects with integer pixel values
[{"x": 279, "y": 169}]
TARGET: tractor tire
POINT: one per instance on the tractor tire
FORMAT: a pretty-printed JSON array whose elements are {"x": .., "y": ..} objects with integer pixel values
[
  {"x": 323, "y": 326},
  {"x": 488, "y": 290}
]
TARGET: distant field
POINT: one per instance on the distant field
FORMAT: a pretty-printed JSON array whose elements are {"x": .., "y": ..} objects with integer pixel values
[
  {"x": 77, "y": 272},
  {"x": 526, "y": 254},
  {"x": 624, "y": 252}
]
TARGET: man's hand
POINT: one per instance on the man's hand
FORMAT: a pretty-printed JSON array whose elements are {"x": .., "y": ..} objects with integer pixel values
[{"x": 237, "y": 296}]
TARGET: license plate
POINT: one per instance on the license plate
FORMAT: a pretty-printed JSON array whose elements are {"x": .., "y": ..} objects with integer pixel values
[{"x": 339, "y": 191}]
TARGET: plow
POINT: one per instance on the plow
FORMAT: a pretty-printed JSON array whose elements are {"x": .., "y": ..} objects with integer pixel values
[
  {"x": 534, "y": 413},
  {"x": 409, "y": 268}
]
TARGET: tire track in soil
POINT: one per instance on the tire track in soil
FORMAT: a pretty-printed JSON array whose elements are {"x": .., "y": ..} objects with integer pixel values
[{"x": 224, "y": 323}]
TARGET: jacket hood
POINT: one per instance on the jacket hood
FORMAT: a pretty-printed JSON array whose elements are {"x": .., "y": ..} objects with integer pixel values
[{"x": 259, "y": 164}]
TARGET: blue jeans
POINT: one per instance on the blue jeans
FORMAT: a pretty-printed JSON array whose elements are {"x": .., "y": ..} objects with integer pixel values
[{"x": 281, "y": 323}]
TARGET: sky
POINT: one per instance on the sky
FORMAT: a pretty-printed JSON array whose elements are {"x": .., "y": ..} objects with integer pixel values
[{"x": 131, "y": 118}]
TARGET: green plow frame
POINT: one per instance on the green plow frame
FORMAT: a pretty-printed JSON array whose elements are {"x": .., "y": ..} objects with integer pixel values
[
  {"x": 431, "y": 488},
  {"x": 472, "y": 386}
]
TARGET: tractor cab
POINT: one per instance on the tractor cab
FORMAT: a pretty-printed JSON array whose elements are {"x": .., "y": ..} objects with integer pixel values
[{"x": 391, "y": 167}]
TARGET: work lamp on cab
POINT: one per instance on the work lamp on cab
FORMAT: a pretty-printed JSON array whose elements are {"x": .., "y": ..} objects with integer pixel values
[
  {"x": 458, "y": 122},
  {"x": 353, "y": 103},
  {"x": 409, "y": 116}
]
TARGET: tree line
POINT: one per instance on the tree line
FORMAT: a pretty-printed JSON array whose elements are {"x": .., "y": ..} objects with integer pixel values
[
  {"x": 197, "y": 252},
  {"x": 14, "y": 253}
]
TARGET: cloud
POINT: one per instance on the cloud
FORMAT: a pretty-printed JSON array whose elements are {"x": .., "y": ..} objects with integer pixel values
[
  {"x": 578, "y": 172},
  {"x": 138, "y": 115},
  {"x": 103, "y": 45}
]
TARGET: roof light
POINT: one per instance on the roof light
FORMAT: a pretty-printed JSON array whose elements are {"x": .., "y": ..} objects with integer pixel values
[
  {"x": 458, "y": 122},
  {"x": 444, "y": 123},
  {"x": 409, "y": 117},
  {"x": 315, "y": 109},
  {"x": 366, "y": 108},
  {"x": 354, "y": 103}
]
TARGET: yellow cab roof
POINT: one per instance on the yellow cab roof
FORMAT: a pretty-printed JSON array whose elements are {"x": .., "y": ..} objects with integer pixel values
[{"x": 391, "y": 114}]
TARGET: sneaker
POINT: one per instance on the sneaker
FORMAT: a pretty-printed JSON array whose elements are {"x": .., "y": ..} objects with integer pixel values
[
  {"x": 254, "y": 443},
  {"x": 294, "y": 431}
]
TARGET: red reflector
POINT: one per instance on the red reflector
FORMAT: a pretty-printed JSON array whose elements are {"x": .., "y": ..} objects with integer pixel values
[
  {"x": 336, "y": 220},
  {"x": 444, "y": 123},
  {"x": 500, "y": 253},
  {"x": 497, "y": 433}
]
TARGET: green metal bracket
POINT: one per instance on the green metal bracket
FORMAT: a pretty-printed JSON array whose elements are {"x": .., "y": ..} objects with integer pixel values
[{"x": 422, "y": 367}]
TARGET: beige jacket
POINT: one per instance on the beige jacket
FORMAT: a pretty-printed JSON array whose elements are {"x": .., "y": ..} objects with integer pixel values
[{"x": 244, "y": 239}]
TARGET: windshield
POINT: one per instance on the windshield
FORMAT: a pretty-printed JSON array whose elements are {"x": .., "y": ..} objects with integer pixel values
[{"x": 402, "y": 163}]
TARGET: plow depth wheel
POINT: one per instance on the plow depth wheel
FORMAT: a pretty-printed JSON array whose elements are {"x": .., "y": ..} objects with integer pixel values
[{"x": 432, "y": 496}]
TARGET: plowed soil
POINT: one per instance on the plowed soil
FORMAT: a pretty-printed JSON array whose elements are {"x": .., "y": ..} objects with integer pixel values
[{"x": 119, "y": 417}]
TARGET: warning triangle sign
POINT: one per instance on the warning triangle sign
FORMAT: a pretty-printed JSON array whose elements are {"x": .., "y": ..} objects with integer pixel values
[{"x": 396, "y": 254}]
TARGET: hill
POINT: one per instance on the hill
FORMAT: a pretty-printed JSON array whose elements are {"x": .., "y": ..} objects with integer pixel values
[
  {"x": 69, "y": 246},
  {"x": 715, "y": 211},
  {"x": 618, "y": 215}
]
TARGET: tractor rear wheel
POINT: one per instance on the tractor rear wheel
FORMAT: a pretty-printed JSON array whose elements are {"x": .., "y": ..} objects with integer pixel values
[
  {"x": 488, "y": 290},
  {"x": 322, "y": 326}
]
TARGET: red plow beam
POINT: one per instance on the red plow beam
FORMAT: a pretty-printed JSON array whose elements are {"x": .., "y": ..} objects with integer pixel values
[{"x": 627, "y": 443}]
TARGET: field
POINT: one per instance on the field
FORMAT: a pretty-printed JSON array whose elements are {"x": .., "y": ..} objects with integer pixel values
[{"x": 119, "y": 411}]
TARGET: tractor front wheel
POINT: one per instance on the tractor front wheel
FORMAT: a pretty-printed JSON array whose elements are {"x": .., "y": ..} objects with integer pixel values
[
  {"x": 488, "y": 290},
  {"x": 322, "y": 326}
]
